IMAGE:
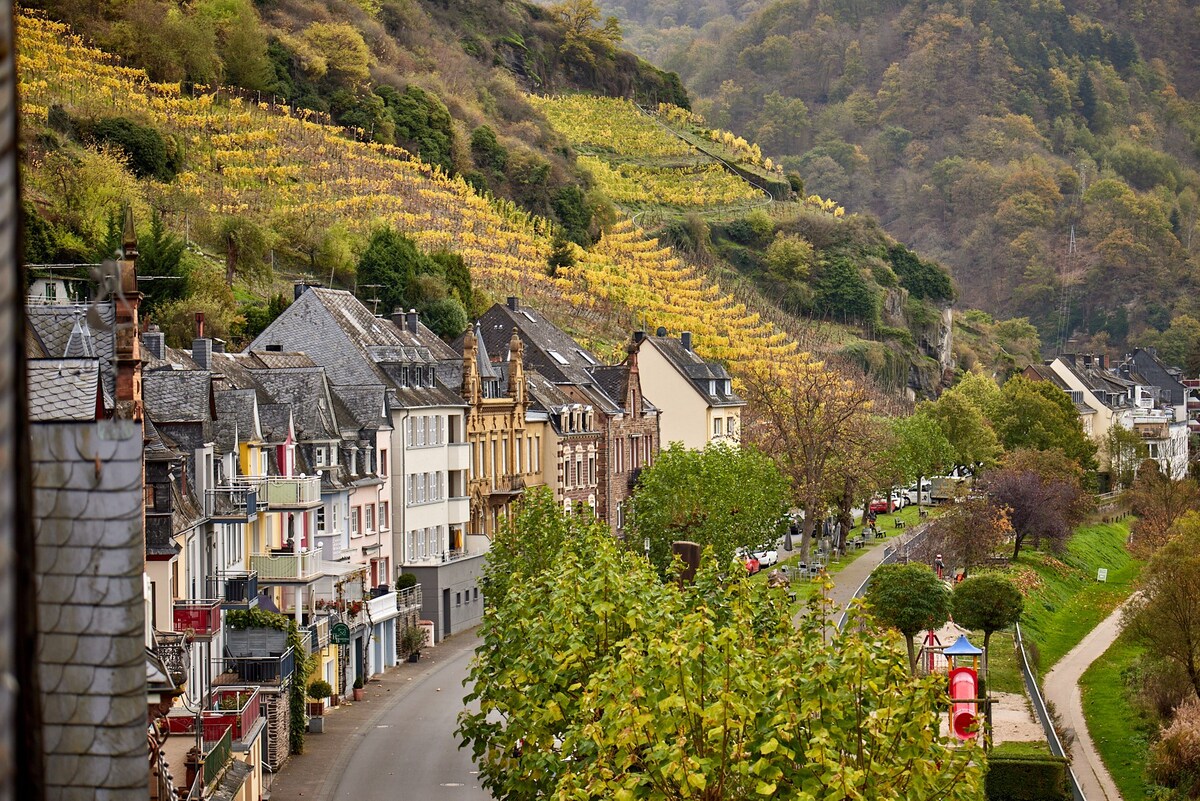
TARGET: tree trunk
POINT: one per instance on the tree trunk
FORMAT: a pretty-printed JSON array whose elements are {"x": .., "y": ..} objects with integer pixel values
[{"x": 912, "y": 653}]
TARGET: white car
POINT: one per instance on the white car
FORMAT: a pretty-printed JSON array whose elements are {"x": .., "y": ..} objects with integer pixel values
[{"x": 767, "y": 558}]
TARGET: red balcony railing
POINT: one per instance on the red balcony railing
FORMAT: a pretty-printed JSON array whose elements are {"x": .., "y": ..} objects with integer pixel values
[
  {"x": 202, "y": 618},
  {"x": 235, "y": 708}
]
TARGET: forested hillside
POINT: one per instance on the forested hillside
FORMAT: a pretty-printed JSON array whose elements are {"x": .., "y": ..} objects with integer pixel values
[
  {"x": 982, "y": 135},
  {"x": 418, "y": 161}
]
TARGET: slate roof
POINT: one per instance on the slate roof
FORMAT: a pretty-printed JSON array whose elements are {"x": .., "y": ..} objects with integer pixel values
[
  {"x": 279, "y": 360},
  {"x": 304, "y": 388},
  {"x": 365, "y": 406},
  {"x": 78, "y": 330},
  {"x": 1045, "y": 373},
  {"x": 178, "y": 396},
  {"x": 274, "y": 420},
  {"x": 700, "y": 373},
  {"x": 547, "y": 349},
  {"x": 237, "y": 419},
  {"x": 356, "y": 348},
  {"x": 64, "y": 389},
  {"x": 159, "y": 447},
  {"x": 614, "y": 380}
]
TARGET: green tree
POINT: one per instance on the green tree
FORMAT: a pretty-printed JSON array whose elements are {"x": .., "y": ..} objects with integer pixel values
[
  {"x": 842, "y": 291},
  {"x": 422, "y": 123},
  {"x": 989, "y": 603},
  {"x": 247, "y": 245},
  {"x": 721, "y": 497},
  {"x": 910, "y": 599},
  {"x": 1159, "y": 503},
  {"x": 1043, "y": 493},
  {"x": 595, "y": 680},
  {"x": 487, "y": 151},
  {"x": 921, "y": 448},
  {"x": 391, "y": 263},
  {"x": 1165, "y": 617},
  {"x": 585, "y": 36},
  {"x": 789, "y": 257},
  {"x": 1039, "y": 415},
  {"x": 965, "y": 427},
  {"x": 1125, "y": 450},
  {"x": 445, "y": 317},
  {"x": 160, "y": 258}
]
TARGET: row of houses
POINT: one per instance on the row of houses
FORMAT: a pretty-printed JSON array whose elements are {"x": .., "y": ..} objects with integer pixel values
[
  {"x": 315, "y": 474},
  {"x": 1140, "y": 394}
]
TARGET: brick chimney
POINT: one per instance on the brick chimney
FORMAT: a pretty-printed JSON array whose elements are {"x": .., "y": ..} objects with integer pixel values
[
  {"x": 685, "y": 339},
  {"x": 201, "y": 346},
  {"x": 411, "y": 320},
  {"x": 127, "y": 346},
  {"x": 512, "y": 303}
]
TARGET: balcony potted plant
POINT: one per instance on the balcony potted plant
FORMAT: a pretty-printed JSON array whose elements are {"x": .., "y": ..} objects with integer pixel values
[
  {"x": 318, "y": 691},
  {"x": 358, "y": 688}
]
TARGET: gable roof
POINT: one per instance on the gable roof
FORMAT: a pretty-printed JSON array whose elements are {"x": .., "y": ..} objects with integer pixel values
[
  {"x": 304, "y": 389},
  {"x": 698, "y": 372},
  {"x": 548, "y": 350},
  {"x": 64, "y": 389},
  {"x": 77, "y": 330},
  {"x": 179, "y": 396},
  {"x": 335, "y": 330}
]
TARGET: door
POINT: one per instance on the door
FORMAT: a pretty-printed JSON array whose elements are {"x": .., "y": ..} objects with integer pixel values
[{"x": 445, "y": 613}]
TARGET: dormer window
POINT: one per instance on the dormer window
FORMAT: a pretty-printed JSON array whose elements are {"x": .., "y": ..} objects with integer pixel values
[{"x": 319, "y": 455}]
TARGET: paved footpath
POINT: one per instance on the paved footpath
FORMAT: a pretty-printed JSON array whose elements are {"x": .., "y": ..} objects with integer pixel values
[{"x": 1061, "y": 686}]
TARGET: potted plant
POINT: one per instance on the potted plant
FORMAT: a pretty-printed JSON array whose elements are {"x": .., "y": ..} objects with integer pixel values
[
  {"x": 318, "y": 691},
  {"x": 411, "y": 641},
  {"x": 358, "y": 688}
]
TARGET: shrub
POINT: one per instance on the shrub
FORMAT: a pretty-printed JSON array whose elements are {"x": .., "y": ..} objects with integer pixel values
[
  {"x": 406, "y": 580},
  {"x": 1022, "y": 774},
  {"x": 1175, "y": 758},
  {"x": 319, "y": 690},
  {"x": 150, "y": 154}
]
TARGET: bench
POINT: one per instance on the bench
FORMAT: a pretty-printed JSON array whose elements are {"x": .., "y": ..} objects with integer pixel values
[{"x": 899, "y": 524}]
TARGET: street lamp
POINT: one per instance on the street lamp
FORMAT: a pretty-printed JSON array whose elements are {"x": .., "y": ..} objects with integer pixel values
[{"x": 646, "y": 546}]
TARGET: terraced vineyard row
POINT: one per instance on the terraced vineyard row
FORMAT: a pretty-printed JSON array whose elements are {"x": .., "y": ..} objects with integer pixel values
[{"x": 246, "y": 159}]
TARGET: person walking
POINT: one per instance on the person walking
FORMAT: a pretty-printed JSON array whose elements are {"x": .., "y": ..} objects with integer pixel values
[{"x": 939, "y": 566}]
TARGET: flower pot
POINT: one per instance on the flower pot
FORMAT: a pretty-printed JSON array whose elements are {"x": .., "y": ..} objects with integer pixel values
[
  {"x": 315, "y": 709},
  {"x": 415, "y": 656},
  {"x": 358, "y": 693},
  {"x": 317, "y": 725}
]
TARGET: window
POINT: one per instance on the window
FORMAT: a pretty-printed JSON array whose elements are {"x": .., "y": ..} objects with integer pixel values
[
  {"x": 385, "y": 516},
  {"x": 409, "y": 483},
  {"x": 580, "y": 476},
  {"x": 592, "y": 469},
  {"x": 421, "y": 488},
  {"x": 558, "y": 357},
  {"x": 458, "y": 599},
  {"x": 441, "y": 429},
  {"x": 320, "y": 454},
  {"x": 621, "y": 514},
  {"x": 586, "y": 356},
  {"x": 420, "y": 432},
  {"x": 383, "y": 462},
  {"x": 717, "y": 426},
  {"x": 149, "y": 496},
  {"x": 567, "y": 482},
  {"x": 370, "y": 518},
  {"x": 730, "y": 427},
  {"x": 51, "y": 292},
  {"x": 517, "y": 456},
  {"x": 410, "y": 544},
  {"x": 355, "y": 520},
  {"x": 320, "y": 518}
]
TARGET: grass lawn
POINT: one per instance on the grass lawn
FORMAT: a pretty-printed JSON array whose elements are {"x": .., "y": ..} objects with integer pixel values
[
  {"x": 1063, "y": 599},
  {"x": 806, "y": 588},
  {"x": 1002, "y": 663},
  {"x": 1113, "y": 722}
]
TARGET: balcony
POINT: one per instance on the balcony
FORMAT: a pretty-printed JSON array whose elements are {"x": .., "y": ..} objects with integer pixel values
[
  {"x": 175, "y": 651},
  {"x": 275, "y": 568},
  {"x": 236, "y": 503},
  {"x": 409, "y": 599},
  {"x": 282, "y": 493},
  {"x": 459, "y": 456},
  {"x": 217, "y": 757},
  {"x": 458, "y": 510},
  {"x": 237, "y": 589},
  {"x": 382, "y": 607},
  {"x": 256, "y": 669},
  {"x": 200, "y": 618},
  {"x": 234, "y": 708}
]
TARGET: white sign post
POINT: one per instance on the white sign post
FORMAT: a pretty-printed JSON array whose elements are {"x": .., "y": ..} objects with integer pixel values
[{"x": 1102, "y": 574}]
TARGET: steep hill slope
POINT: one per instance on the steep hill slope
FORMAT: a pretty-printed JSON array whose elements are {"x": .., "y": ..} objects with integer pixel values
[{"x": 981, "y": 135}]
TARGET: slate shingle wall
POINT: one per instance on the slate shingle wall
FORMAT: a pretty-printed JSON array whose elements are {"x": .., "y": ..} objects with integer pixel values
[{"x": 91, "y": 651}]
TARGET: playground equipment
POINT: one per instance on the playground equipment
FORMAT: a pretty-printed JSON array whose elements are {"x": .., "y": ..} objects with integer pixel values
[{"x": 964, "y": 687}]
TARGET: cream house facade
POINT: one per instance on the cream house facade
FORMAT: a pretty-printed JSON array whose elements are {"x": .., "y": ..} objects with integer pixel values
[{"x": 695, "y": 397}]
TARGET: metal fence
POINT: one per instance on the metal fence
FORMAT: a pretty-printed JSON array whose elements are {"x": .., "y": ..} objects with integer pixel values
[
  {"x": 1043, "y": 714},
  {"x": 892, "y": 555}
]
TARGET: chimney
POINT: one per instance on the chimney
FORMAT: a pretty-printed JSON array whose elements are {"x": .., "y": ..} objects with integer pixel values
[
  {"x": 686, "y": 340},
  {"x": 398, "y": 318},
  {"x": 512, "y": 303},
  {"x": 155, "y": 342},
  {"x": 199, "y": 325},
  {"x": 411, "y": 320},
  {"x": 298, "y": 289},
  {"x": 661, "y": 332},
  {"x": 273, "y": 348},
  {"x": 202, "y": 350},
  {"x": 639, "y": 337},
  {"x": 218, "y": 345},
  {"x": 127, "y": 350}
]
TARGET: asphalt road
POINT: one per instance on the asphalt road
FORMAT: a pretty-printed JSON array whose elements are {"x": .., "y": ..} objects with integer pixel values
[{"x": 409, "y": 751}]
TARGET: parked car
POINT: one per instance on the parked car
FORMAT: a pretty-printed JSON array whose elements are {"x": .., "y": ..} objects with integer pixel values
[
  {"x": 750, "y": 561},
  {"x": 899, "y": 500},
  {"x": 767, "y": 558},
  {"x": 881, "y": 506}
]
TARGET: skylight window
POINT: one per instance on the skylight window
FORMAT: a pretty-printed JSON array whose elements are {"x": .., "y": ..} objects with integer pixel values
[
  {"x": 587, "y": 356},
  {"x": 558, "y": 357},
  {"x": 528, "y": 316}
]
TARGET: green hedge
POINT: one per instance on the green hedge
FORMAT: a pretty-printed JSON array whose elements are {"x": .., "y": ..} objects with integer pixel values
[{"x": 1016, "y": 773}]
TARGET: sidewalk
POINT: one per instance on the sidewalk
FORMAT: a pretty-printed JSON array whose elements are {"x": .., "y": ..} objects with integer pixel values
[{"x": 314, "y": 773}]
